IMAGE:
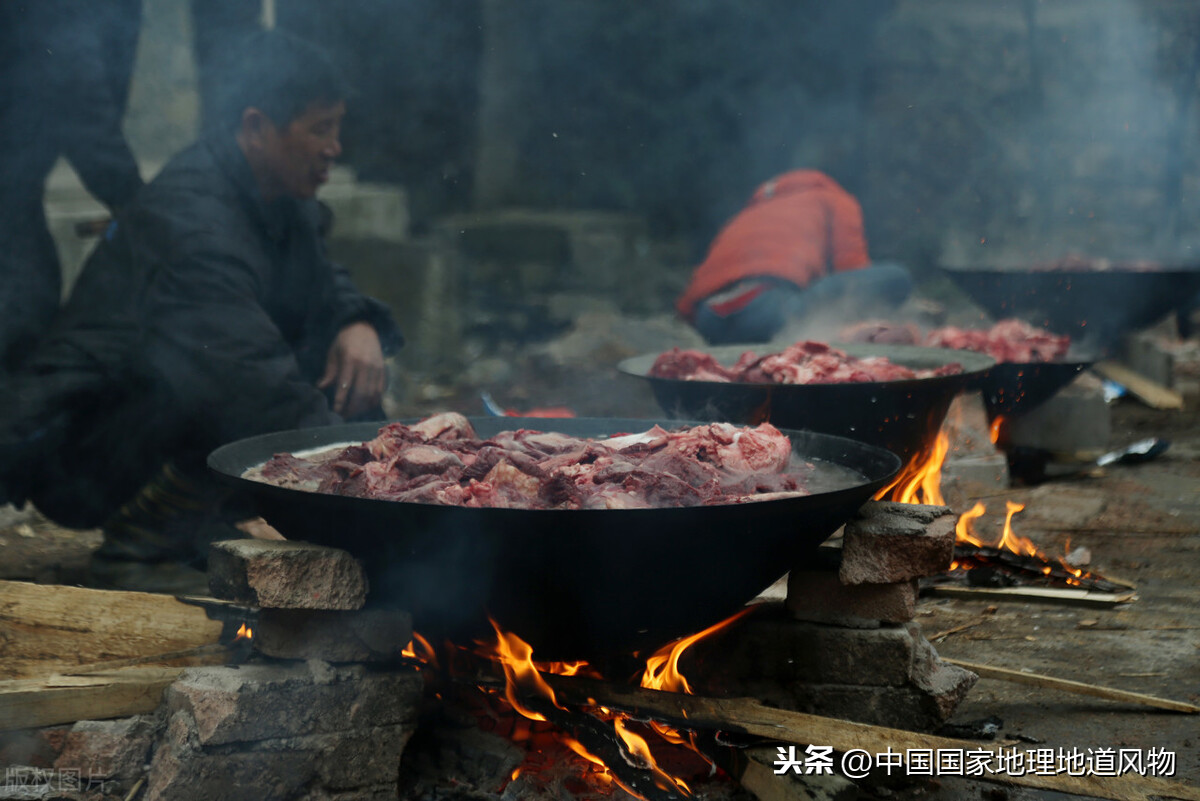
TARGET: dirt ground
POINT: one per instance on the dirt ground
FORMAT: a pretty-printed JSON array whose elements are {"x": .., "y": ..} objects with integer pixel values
[{"x": 1141, "y": 524}]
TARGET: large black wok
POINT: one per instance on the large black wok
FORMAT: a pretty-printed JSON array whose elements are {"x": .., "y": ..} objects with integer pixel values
[
  {"x": 572, "y": 583},
  {"x": 1016, "y": 388},
  {"x": 901, "y": 416},
  {"x": 1094, "y": 307}
]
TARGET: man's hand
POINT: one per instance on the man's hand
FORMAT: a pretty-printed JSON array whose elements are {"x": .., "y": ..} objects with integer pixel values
[{"x": 355, "y": 367}]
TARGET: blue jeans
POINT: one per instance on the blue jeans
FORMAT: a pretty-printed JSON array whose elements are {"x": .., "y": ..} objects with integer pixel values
[{"x": 852, "y": 296}]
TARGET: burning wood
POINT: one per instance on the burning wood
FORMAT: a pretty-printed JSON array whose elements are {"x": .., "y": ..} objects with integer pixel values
[
  {"x": 1009, "y": 561},
  {"x": 616, "y": 747},
  {"x": 746, "y": 716},
  {"x": 1014, "y": 559}
]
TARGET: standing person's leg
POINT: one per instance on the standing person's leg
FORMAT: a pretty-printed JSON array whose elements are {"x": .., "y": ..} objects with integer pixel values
[{"x": 31, "y": 279}]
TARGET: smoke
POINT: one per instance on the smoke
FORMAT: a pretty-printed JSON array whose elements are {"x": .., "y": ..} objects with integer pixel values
[{"x": 1068, "y": 144}]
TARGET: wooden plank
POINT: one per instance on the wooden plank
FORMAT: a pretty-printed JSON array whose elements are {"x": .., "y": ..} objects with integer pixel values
[
  {"x": 1077, "y": 597},
  {"x": 46, "y": 628},
  {"x": 1149, "y": 392},
  {"x": 1094, "y": 690},
  {"x": 748, "y": 716},
  {"x": 29, "y": 703}
]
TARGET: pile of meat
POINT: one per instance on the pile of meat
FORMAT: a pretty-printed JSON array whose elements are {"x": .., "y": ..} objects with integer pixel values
[
  {"x": 1007, "y": 341},
  {"x": 1010, "y": 340},
  {"x": 800, "y": 363},
  {"x": 441, "y": 460}
]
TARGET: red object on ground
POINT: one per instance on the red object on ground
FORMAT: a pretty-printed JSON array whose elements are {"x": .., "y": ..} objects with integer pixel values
[{"x": 798, "y": 226}]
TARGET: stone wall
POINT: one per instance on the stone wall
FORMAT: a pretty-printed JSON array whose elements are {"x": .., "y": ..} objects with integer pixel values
[{"x": 1005, "y": 131}]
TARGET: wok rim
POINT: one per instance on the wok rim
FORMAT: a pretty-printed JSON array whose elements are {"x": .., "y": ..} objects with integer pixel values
[{"x": 1123, "y": 268}]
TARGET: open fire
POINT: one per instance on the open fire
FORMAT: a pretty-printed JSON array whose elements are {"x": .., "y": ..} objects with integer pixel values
[
  {"x": 646, "y": 759},
  {"x": 591, "y": 750},
  {"x": 1011, "y": 559}
]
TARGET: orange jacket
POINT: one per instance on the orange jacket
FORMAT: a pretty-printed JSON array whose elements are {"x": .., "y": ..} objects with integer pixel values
[{"x": 797, "y": 226}]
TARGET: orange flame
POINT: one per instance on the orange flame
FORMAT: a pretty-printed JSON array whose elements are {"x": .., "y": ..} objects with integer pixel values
[
  {"x": 419, "y": 648},
  {"x": 523, "y": 676},
  {"x": 920, "y": 481},
  {"x": 662, "y": 669},
  {"x": 964, "y": 531},
  {"x": 516, "y": 658},
  {"x": 577, "y": 668},
  {"x": 640, "y": 749},
  {"x": 244, "y": 632},
  {"x": 1011, "y": 541},
  {"x": 995, "y": 429}
]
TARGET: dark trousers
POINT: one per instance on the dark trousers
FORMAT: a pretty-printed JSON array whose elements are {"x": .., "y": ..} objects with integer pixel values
[
  {"x": 30, "y": 279},
  {"x": 846, "y": 297}
]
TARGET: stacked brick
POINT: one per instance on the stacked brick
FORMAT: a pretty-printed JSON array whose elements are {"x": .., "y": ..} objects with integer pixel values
[
  {"x": 843, "y": 643},
  {"x": 305, "y": 731},
  {"x": 323, "y": 718}
]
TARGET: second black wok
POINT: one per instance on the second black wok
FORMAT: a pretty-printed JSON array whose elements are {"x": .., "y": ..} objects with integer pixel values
[{"x": 902, "y": 416}]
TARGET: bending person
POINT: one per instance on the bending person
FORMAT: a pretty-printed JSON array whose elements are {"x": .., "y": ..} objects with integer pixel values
[{"x": 796, "y": 253}]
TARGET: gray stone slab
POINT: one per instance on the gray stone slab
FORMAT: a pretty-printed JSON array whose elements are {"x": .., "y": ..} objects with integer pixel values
[
  {"x": 259, "y": 702},
  {"x": 286, "y": 575},
  {"x": 892, "y": 542}
]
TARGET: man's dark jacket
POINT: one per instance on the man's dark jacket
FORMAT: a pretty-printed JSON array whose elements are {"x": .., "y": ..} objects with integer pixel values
[{"x": 203, "y": 316}]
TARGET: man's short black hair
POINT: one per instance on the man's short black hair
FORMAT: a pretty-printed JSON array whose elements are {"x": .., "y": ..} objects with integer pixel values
[{"x": 277, "y": 73}]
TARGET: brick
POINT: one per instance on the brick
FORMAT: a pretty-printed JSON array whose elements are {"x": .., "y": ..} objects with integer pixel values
[
  {"x": 385, "y": 792},
  {"x": 222, "y": 747},
  {"x": 893, "y": 542},
  {"x": 1076, "y": 420},
  {"x": 367, "y": 635},
  {"x": 1147, "y": 354},
  {"x": 182, "y": 772},
  {"x": 944, "y": 685},
  {"x": 36, "y": 748},
  {"x": 904, "y": 707},
  {"x": 928, "y": 697},
  {"x": 1189, "y": 390},
  {"x": 966, "y": 479},
  {"x": 286, "y": 575},
  {"x": 109, "y": 748},
  {"x": 773, "y": 647},
  {"x": 259, "y": 702},
  {"x": 819, "y": 596},
  {"x": 368, "y": 757}
]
